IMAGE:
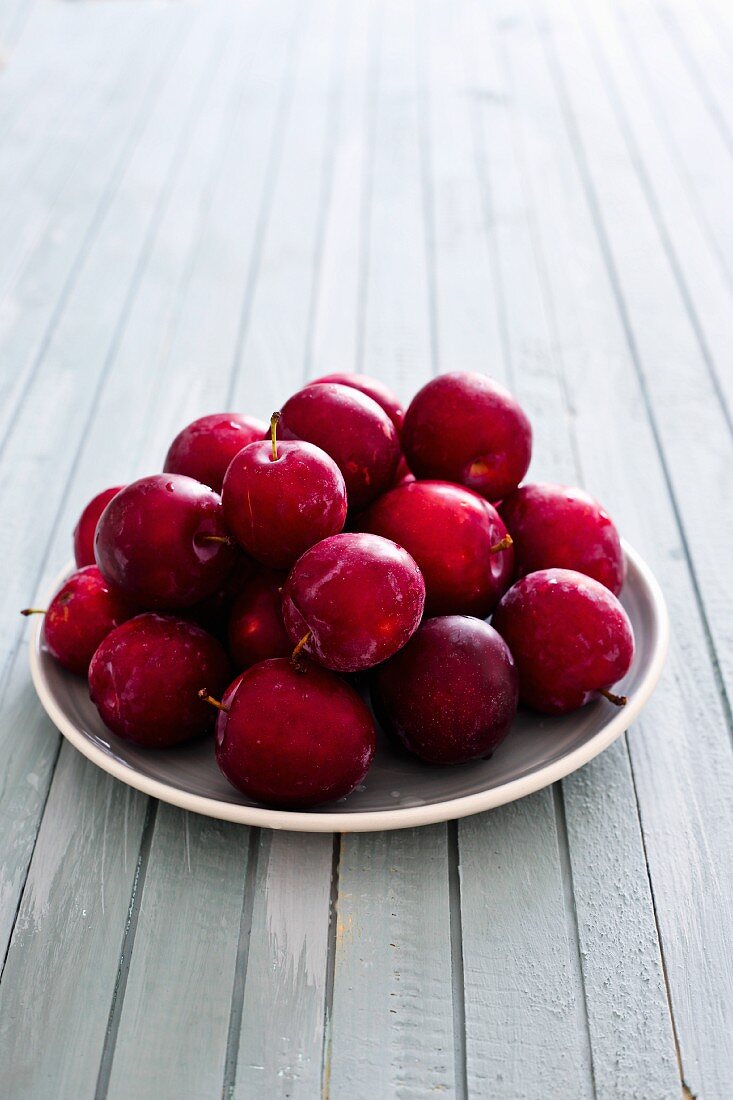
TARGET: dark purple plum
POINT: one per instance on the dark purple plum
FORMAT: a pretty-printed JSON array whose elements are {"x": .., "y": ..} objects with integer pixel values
[{"x": 450, "y": 694}]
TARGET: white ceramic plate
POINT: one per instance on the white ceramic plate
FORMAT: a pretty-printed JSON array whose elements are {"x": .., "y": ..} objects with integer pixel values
[{"x": 399, "y": 791}]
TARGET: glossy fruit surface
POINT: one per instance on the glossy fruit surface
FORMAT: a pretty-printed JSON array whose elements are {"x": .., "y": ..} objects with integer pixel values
[
  {"x": 293, "y": 738},
  {"x": 450, "y": 694},
  {"x": 352, "y": 429},
  {"x": 204, "y": 448},
  {"x": 557, "y": 526},
  {"x": 87, "y": 525},
  {"x": 279, "y": 501},
  {"x": 145, "y": 678},
  {"x": 464, "y": 427},
  {"x": 256, "y": 629},
  {"x": 356, "y": 597},
  {"x": 83, "y": 612},
  {"x": 373, "y": 388},
  {"x": 569, "y": 636},
  {"x": 162, "y": 541},
  {"x": 450, "y": 532}
]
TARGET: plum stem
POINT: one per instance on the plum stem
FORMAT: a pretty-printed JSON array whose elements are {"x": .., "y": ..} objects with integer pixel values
[
  {"x": 617, "y": 700},
  {"x": 273, "y": 433},
  {"x": 34, "y": 611},
  {"x": 502, "y": 544},
  {"x": 226, "y": 540},
  {"x": 296, "y": 652},
  {"x": 203, "y": 694}
]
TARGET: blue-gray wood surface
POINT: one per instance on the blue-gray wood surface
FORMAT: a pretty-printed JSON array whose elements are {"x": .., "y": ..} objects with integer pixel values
[{"x": 201, "y": 205}]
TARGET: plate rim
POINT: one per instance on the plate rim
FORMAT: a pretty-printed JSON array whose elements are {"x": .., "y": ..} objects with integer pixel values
[{"x": 371, "y": 820}]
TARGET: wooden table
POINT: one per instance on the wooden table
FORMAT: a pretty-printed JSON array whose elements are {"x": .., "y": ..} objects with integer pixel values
[{"x": 201, "y": 205}]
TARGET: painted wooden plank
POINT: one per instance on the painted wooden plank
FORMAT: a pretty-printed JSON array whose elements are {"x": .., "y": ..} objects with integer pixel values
[
  {"x": 632, "y": 1034},
  {"x": 391, "y": 1030},
  {"x": 191, "y": 357},
  {"x": 76, "y": 899},
  {"x": 667, "y": 174},
  {"x": 14, "y": 15},
  {"x": 41, "y": 451},
  {"x": 277, "y": 316},
  {"x": 336, "y": 335},
  {"x": 523, "y": 1036},
  {"x": 50, "y": 271},
  {"x": 469, "y": 318},
  {"x": 173, "y": 1038},
  {"x": 59, "y": 118},
  {"x": 680, "y": 752},
  {"x": 279, "y": 1050},
  {"x": 718, "y": 15},
  {"x": 39, "y": 113},
  {"x": 41, "y": 67},
  {"x": 708, "y": 65},
  {"x": 282, "y": 1021},
  {"x": 397, "y": 324}
]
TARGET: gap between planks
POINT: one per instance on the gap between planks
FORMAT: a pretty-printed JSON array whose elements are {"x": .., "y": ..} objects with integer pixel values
[
  {"x": 240, "y": 967},
  {"x": 330, "y": 968},
  {"x": 128, "y": 943}
]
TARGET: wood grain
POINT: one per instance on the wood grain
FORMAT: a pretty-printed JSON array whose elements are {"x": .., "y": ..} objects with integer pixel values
[
  {"x": 280, "y": 1043},
  {"x": 76, "y": 901},
  {"x": 391, "y": 1024}
]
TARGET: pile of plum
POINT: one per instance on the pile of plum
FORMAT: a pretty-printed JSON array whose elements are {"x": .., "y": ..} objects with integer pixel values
[{"x": 270, "y": 576}]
